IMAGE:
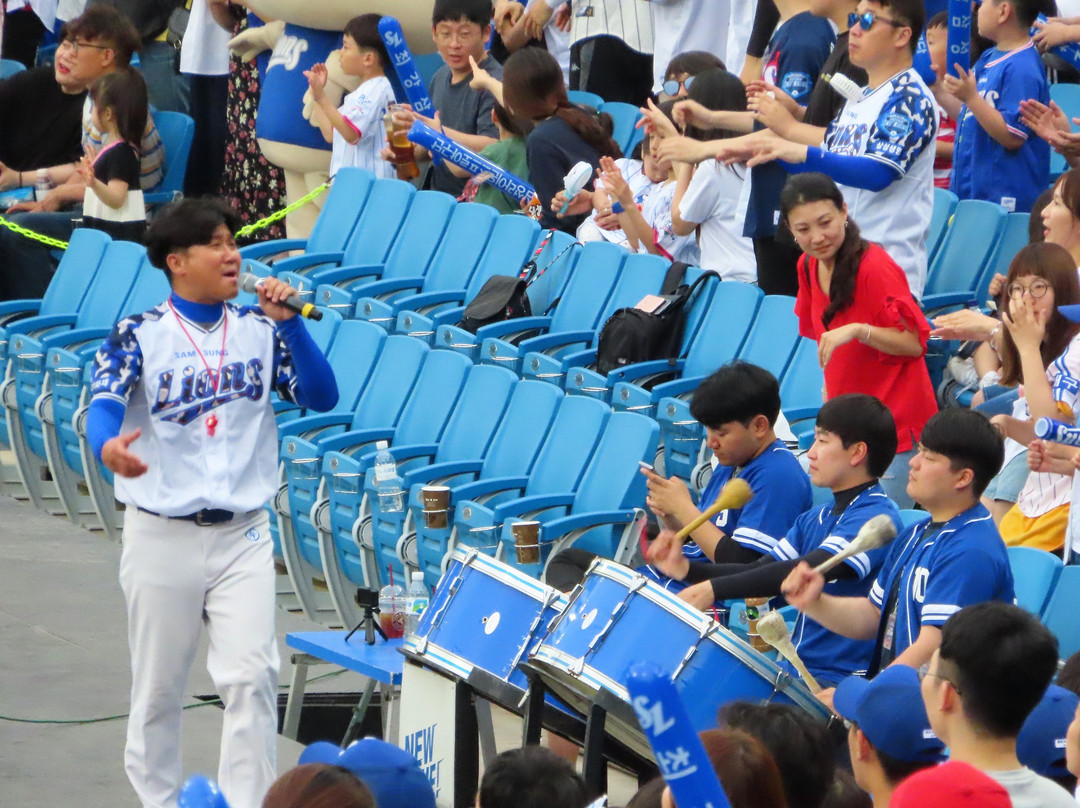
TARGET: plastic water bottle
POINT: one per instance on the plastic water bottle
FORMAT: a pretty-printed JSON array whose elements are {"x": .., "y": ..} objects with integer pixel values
[
  {"x": 390, "y": 499},
  {"x": 415, "y": 602}
]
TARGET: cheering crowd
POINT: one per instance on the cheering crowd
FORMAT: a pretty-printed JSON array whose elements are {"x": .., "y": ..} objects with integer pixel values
[{"x": 792, "y": 144}]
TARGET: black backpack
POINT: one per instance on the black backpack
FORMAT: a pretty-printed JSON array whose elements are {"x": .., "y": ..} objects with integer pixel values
[{"x": 631, "y": 335}]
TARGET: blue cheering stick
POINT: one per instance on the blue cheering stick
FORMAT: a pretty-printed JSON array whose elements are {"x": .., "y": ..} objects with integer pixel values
[
  {"x": 405, "y": 67},
  {"x": 1069, "y": 51},
  {"x": 921, "y": 62},
  {"x": 675, "y": 745},
  {"x": 439, "y": 144},
  {"x": 959, "y": 38},
  {"x": 1057, "y": 432}
]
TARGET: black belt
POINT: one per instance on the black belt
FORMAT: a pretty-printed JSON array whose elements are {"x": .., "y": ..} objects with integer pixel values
[{"x": 203, "y": 518}]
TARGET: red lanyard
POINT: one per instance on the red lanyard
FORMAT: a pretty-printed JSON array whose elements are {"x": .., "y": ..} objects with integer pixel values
[{"x": 215, "y": 377}]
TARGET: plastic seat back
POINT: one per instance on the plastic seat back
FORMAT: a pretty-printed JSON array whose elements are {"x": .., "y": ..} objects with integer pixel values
[
  {"x": 346, "y": 199},
  {"x": 510, "y": 246},
  {"x": 944, "y": 205},
  {"x": 1060, "y": 613},
  {"x": 477, "y": 413},
  {"x": 352, "y": 356},
  {"x": 909, "y": 516},
  {"x": 149, "y": 288},
  {"x": 522, "y": 430},
  {"x": 432, "y": 398},
  {"x": 800, "y": 388},
  {"x": 463, "y": 243},
  {"x": 772, "y": 338},
  {"x": 723, "y": 329},
  {"x": 390, "y": 383},
  {"x": 323, "y": 331},
  {"x": 568, "y": 447},
  {"x": 1067, "y": 96},
  {"x": 419, "y": 235},
  {"x": 555, "y": 263},
  {"x": 122, "y": 263},
  {"x": 640, "y": 275},
  {"x": 1014, "y": 235},
  {"x": 9, "y": 67},
  {"x": 379, "y": 222},
  {"x": 586, "y": 98},
  {"x": 967, "y": 246},
  {"x": 625, "y": 116},
  {"x": 1034, "y": 574},
  {"x": 587, "y": 291},
  {"x": 177, "y": 131},
  {"x": 73, "y": 277}
]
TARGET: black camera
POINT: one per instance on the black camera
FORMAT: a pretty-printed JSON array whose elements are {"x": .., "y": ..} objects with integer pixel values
[{"x": 367, "y": 598}]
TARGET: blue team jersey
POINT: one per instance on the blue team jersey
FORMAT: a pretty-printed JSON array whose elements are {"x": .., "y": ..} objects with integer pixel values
[
  {"x": 281, "y": 105},
  {"x": 962, "y": 563},
  {"x": 982, "y": 167},
  {"x": 792, "y": 62},
  {"x": 829, "y": 656}
]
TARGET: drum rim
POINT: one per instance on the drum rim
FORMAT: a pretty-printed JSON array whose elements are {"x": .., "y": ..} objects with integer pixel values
[{"x": 504, "y": 573}]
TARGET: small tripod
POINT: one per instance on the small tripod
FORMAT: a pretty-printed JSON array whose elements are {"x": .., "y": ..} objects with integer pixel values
[{"x": 369, "y": 622}]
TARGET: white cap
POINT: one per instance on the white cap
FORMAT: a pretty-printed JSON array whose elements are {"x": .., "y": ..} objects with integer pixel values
[
  {"x": 418, "y": 576},
  {"x": 382, "y": 445}
]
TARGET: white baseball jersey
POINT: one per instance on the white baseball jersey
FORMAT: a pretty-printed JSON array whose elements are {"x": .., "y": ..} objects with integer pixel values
[
  {"x": 895, "y": 123},
  {"x": 629, "y": 20},
  {"x": 205, "y": 449},
  {"x": 687, "y": 25},
  {"x": 364, "y": 108}
]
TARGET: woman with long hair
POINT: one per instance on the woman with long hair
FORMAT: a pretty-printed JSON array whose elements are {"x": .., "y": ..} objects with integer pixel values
[
  {"x": 854, "y": 301},
  {"x": 564, "y": 135},
  {"x": 1040, "y": 349}
]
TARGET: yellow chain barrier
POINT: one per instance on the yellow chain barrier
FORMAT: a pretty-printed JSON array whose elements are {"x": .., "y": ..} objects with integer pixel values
[{"x": 247, "y": 230}]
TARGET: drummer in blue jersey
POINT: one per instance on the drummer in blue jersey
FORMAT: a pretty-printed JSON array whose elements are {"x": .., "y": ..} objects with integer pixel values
[
  {"x": 952, "y": 559},
  {"x": 854, "y": 442},
  {"x": 738, "y": 405}
]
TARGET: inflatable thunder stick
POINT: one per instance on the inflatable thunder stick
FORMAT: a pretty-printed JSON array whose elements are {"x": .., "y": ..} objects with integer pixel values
[
  {"x": 439, "y": 144},
  {"x": 675, "y": 745},
  {"x": 405, "y": 67},
  {"x": 1057, "y": 432},
  {"x": 959, "y": 40}
]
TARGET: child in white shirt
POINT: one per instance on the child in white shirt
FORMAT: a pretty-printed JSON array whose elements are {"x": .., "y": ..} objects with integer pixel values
[{"x": 356, "y": 128}]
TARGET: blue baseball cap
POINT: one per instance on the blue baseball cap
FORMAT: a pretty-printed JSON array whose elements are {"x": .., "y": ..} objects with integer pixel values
[
  {"x": 1041, "y": 743},
  {"x": 890, "y": 712},
  {"x": 392, "y": 774}
]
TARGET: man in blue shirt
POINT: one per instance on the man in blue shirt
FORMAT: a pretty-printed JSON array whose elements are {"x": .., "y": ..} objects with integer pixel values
[
  {"x": 854, "y": 442},
  {"x": 933, "y": 569},
  {"x": 739, "y": 405}
]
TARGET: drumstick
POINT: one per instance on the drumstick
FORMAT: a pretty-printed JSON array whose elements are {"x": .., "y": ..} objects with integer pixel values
[
  {"x": 734, "y": 494},
  {"x": 877, "y": 532},
  {"x": 774, "y": 631}
]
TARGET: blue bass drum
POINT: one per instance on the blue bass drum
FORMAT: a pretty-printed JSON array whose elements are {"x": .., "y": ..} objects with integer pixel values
[
  {"x": 617, "y": 618},
  {"x": 482, "y": 621}
]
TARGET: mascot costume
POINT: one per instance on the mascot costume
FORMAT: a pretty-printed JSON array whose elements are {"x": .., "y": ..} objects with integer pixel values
[{"x": 303, "y": 33}]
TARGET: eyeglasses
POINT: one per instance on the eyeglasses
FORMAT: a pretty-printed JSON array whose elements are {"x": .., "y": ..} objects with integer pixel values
[
  {"x": 867, "y": 19},
  {"x": 74, "y": 45},
  {"x": 671, "y": 86},
  {"x": 1036, "y": 289},
  {"x": 924, "y": 671},
  {"x": 464, "y": 36}
]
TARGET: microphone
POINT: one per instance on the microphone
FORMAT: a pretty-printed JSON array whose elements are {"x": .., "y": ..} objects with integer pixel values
[
  {"x": 1057, "y": 432},
  {"x": 250, "y": 283}
]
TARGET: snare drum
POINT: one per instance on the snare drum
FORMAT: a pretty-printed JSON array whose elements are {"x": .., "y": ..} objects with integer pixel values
[
  {"x": 618, "y": 617},
  {"x": 484, "y": 617}
]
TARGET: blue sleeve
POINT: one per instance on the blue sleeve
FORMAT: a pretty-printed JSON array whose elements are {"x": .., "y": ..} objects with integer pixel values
[
  {"x": 118, "y": 363},
  {"x": 103, "y": 421},
  {"x": 855, "y": 171},
  {"x": 905, "y": 127},
  {"x": 302, "y": 374},
  {"x": 1019, "y": 83}
]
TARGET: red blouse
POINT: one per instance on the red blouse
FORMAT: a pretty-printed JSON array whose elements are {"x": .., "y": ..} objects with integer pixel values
[{"x": 882, "y": 299}]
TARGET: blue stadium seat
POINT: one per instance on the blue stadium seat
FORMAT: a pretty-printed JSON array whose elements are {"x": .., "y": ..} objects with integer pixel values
[
  {"x": 944, "y": 207},
  {"x": 1014, "y": 236},
  {"x": 510, "y": 246},
  {"x": 1034, "y": 574},
  {"x": 909, "y": 516},
  {"x": 459, "y": 251},
  {"x": 177, "y": 131},
  {"x": 580, "y": 313},
  {"x": 9, "y": 67},
  {"x": 640, "y": 275},
  {"x": 1060, "y": 613},
  {"x": 586, "y": 98},
  {"x": 801, "y": 388},
  {"x": 730, "y": 315},
  {"x": 603, "y": 513},
  {"x": 967, "y": 246},
  {"x": 524, "y": 425},
  {"x": 342, "y": 207},
  {"x": 625, "y": 117}
]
